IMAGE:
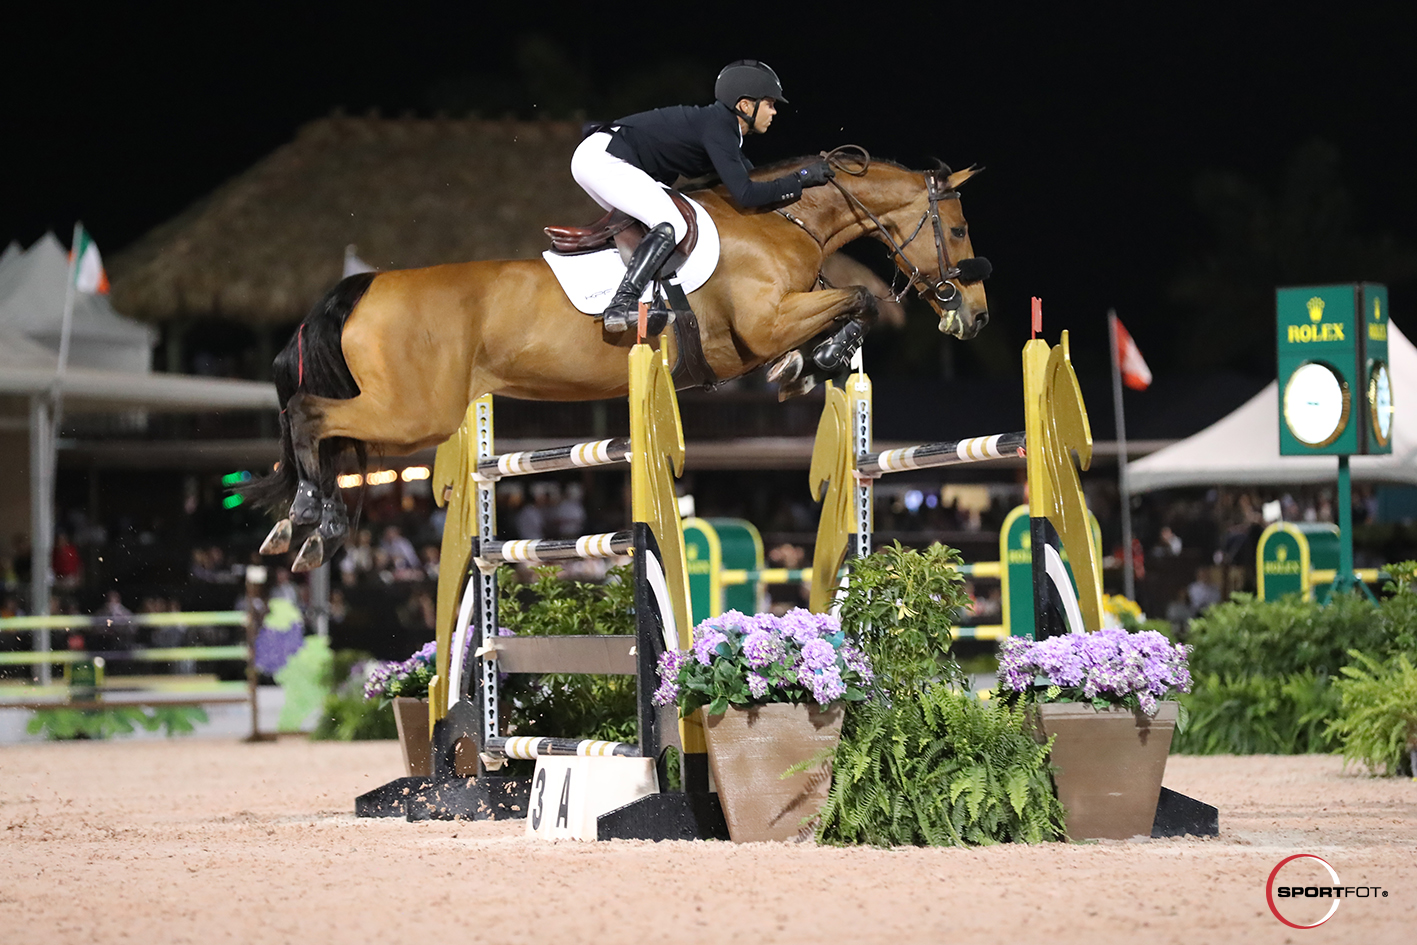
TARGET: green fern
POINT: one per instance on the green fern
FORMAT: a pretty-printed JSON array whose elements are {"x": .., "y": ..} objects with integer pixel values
[
  {"x": 936, "y": 766},
  {"x": 1378, "y": 724}
]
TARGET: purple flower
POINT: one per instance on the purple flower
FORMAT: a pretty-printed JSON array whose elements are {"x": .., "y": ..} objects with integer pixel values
[
  {"x": 857, "y": 662},
  {"x": 757, "y": 685},
  {"x": 670, "y": 662},
  {"x": 818, "y": 655},
  {"x": 1128, "y": 668},
  {"x": 762, "y": 647},
  {"x": 274, "y": 648},
  {"x": 827, "y": 686},
  {"x": 706, "y": 645}
]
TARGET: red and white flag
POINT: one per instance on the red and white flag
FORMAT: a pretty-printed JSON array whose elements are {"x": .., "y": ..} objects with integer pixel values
[{"x": 1135, "y": 373}]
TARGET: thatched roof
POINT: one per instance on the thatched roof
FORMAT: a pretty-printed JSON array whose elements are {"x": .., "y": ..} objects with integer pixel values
[{"x": 407, "y": 192}]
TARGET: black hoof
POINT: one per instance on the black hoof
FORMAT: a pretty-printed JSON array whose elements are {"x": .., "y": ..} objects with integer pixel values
[
  {"x": 305, "y": 510},
  {"x": 278, "y": 541},
  {"x": 311, "y": 556}
]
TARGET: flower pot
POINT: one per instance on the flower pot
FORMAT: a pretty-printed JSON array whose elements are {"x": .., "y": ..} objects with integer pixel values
[
  {"x": 1109, "y": 766},
  {"x": 749, "y": 749},
  {"x": 411, "y": 716}
]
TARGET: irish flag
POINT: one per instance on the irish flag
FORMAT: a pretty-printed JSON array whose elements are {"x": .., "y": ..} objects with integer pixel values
[
  {"x": 88, "y": 270},
  {"x": 1135, "y": 373}
]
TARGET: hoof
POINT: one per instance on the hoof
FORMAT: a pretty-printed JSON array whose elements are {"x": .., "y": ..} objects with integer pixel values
[
  {"x": 786, "y": 369},
  {"x": 278, "y": 541},
  {"x": 311, "y": 556},
  {"x": 796, "y": 388}
]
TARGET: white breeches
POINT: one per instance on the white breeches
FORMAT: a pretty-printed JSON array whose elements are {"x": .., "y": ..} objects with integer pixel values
[{"x": 619, "y": 185}]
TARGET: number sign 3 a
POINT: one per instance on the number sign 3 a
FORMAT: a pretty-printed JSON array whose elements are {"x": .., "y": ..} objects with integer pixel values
[{"x": 568, "y": 794}]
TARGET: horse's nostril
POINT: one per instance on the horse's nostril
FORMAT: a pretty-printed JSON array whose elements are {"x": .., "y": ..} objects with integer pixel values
[{"x": 981, "y": 320}]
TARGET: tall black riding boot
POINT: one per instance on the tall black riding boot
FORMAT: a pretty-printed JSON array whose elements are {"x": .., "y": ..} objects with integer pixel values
[{"x": 653, "y": 250}]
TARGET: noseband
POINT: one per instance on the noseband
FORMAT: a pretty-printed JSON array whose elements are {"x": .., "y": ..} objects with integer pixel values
[{"x": 940, "y": 287}]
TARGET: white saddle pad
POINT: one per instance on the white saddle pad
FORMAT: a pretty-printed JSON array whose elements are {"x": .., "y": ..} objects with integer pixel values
[{"x": 590, "y": 279}]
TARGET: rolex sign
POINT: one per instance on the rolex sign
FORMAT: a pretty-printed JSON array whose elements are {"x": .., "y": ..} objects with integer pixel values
[{"x": 1335, "y": 393}]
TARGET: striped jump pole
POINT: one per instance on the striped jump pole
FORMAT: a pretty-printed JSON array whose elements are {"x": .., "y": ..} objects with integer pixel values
[
  {"x": 844, "y": 467},
  {"x": 976, "y": 449},
  {"x": 551, "y": 550},
  {"x": 554, "y": 459},
  {"x": 529, "y": 748}
]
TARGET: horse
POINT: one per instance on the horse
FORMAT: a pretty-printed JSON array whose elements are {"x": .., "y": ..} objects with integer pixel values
[{"x": 393, "y": 359}]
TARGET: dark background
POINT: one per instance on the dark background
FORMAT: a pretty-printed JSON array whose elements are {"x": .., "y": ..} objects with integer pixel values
[{"x": 1173, "y": 164}]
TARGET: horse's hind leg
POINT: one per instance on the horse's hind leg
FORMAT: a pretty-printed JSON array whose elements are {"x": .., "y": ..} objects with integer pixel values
[{"x": 317, "y": 507}]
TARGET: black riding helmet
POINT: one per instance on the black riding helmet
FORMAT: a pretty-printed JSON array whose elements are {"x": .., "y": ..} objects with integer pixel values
[{"x": 747, "y": 78}]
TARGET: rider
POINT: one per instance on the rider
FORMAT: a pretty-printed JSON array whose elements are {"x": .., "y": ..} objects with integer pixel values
[{"x": 627, "y": 165}]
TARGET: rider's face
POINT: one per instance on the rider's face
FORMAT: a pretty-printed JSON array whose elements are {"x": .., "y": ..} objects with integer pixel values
[{"x": 766, "y": 111}]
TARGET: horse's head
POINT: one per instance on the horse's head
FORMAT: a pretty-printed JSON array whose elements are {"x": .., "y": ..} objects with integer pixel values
[
  {"x": 955, "y": 276},
  {"x": 921, "y": 221}
]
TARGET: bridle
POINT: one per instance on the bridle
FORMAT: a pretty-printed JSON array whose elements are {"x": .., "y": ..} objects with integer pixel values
[{"x": 916, "y": 278}]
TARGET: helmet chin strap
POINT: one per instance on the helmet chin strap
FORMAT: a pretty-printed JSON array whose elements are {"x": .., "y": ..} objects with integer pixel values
[{"x": 752, "y": 119}]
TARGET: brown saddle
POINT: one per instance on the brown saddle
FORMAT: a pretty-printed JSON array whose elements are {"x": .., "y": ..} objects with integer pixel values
[{"x": 625, "y": 233}]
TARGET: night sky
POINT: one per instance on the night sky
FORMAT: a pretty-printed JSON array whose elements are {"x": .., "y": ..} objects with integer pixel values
[{"x": 1098, "y": 129}]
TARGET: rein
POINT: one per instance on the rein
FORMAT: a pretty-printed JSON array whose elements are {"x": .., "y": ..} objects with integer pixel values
[{"x": 846, "y": 160}]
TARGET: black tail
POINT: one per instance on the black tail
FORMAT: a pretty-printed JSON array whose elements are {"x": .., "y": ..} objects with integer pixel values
[{"x": 313, "y": 363}]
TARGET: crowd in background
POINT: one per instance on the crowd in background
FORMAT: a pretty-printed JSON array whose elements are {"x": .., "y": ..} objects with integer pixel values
[{"x": 1190, "y": 549}]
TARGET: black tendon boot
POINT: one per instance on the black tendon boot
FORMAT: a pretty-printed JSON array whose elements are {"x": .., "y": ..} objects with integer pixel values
[
  {"x": 833, "y": 354},
  {"x": 653, "y": 250}
]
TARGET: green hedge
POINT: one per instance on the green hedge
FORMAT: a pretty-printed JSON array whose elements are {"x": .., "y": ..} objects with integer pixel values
[{"x": 1292, "y": 676}]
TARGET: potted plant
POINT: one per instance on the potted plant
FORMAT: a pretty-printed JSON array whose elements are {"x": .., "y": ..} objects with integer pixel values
[
  {"x": 1106, "y": 698},
  {"x": 405, "y": 685},
  {"x": 772, "y": 689}
]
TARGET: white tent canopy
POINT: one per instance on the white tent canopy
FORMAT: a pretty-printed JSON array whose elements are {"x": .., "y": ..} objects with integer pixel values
[
  {"x": 32, "y": 287},
  {"x": 1243, "y": 448}
]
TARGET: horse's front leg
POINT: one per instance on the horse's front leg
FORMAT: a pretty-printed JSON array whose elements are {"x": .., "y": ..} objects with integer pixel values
[{"x": 809, "y": 315}]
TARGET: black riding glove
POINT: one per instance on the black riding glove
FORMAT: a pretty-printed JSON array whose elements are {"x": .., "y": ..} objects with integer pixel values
[{"x": 815, "y": 175}]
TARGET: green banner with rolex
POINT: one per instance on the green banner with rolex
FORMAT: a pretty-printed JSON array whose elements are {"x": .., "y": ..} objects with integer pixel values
[{"x": 1335, "y": 394}]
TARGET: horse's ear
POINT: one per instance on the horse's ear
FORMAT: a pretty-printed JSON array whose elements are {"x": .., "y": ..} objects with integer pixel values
[{"x": 959, "y": 177}]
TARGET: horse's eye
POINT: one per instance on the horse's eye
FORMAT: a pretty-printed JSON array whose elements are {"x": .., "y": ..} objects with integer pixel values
[{"x": 957, "y": 232}]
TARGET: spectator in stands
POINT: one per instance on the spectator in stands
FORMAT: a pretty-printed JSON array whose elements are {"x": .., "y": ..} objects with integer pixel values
[
  {"x": 1179, "y": 613},
  {"x": 68, "y": 568},
  {"x": 118, "y": 630},
  {"x": 569, "y": 515},
  {"x": 534, "y": 519},
  {"x": 1202, "y": 593},
  {"x": 358, "y": 558},
  {"x": 431, "y": 555},
  {"x": 1168, "y": 543},
  {"x": 284, "y": 587},
  {"x": 201, "y": 567},
  {"x": 402, "y": 556}
]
